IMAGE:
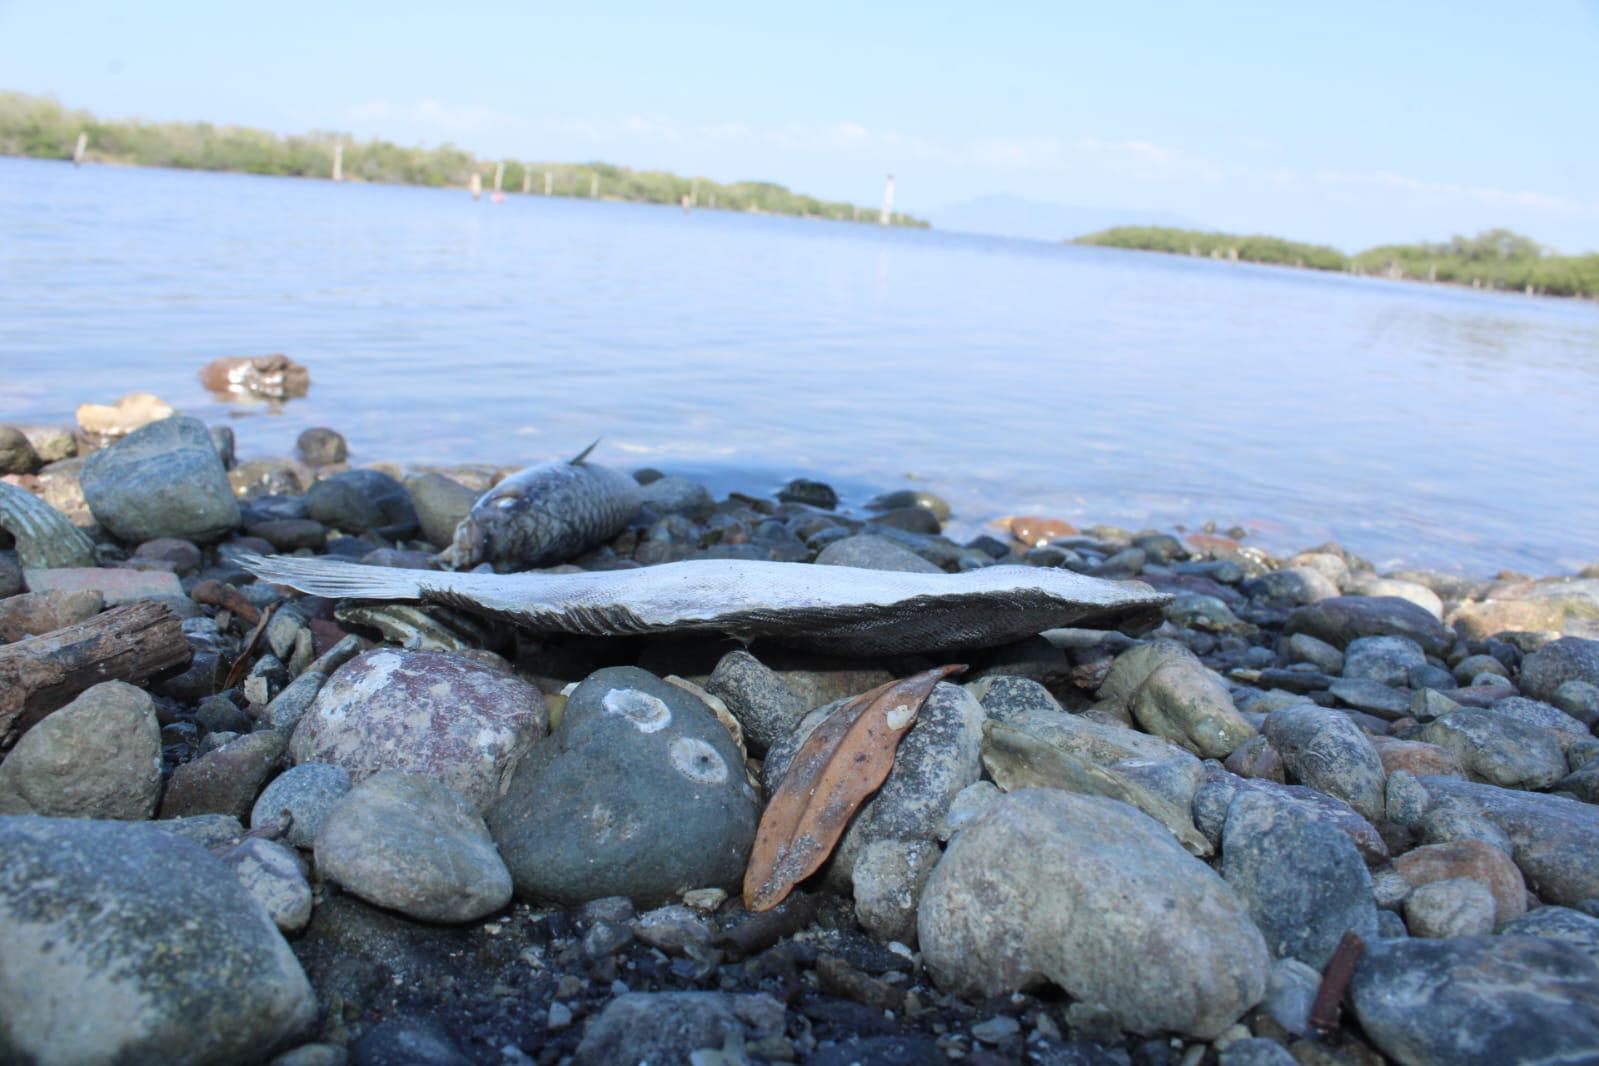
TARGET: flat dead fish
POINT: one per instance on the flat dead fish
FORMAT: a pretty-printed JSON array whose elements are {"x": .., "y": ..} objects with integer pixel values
[
  {"x": 825, "y": 608},
  {"x": 544, "y": 515},
  {"x": 46, "y": 538}
]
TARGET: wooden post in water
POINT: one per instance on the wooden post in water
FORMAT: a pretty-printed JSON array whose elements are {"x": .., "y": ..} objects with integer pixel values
[
  {"x": 476, "y": 185},
  {"x": 499, "y": 175},
  {"x": 888, "y": 202},
  {"x": 527, "y": 181},
  {"x": 712, "y": 202},
  {"x": 549, "y": 182},
  {"x": 338, "y": 162},
  {"x": 77, "y": 152},
  {"x": 594, "y": 186},
  {"x": 694, "y": 194}
]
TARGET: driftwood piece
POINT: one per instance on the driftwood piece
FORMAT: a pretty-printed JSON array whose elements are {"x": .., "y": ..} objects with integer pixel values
[{"x": 41, "y": 674}]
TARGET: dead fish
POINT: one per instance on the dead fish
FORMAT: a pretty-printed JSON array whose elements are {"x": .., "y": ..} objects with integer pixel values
[
  {"x": 544, "y": 515},
  {"x": 823, "y": 608},
  {"x": 46, "y": 538}
]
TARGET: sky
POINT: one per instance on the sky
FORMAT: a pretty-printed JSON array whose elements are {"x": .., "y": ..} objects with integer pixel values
[{"x": 1349, "y": 123}]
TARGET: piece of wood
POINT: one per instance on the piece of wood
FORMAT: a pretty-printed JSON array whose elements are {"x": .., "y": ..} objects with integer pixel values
[
  {"x": 1327, "y": 1008},
  {"x": 132, "y": 643}
]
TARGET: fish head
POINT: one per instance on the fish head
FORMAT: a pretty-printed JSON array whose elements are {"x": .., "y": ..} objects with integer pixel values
[{"x": 469, "y": 547}]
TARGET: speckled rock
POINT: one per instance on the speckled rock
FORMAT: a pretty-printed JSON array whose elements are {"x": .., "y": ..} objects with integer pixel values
[
  {"x": 1564, "y": 924},
  {"x": 97, "y": 757},
  {"x": 1214, "y": 799},
  {"x": 442, "y": 714},
  {"x": 121, "y": 943},
  {"x": 639, "y": 792},
  {"x": 164, "y": 480},
  {"x": 1471, "y": 859},
  {"x": 1559, "y": 661},
  {"x": 271, "y": 873},
  {"x": 888, "y": 879},
  {"x": 1302, "y": 881},
  {"x": 1561, "y": 726},
  {"x": 1323, "y": 749},
  {"x": 1387, "y": 660},
  {"x": 1457, "y": 906},
  {"x": 766, "y": 708},
  {"x": 1478, "y": 1001},
  {"x": 1345, "y": 618},
  {"x": 411, "y": 844},
  {"x": 1099, "y": 898},
  {"x": 307, "y": 792},
  {"x": 1499, "y": 749}
]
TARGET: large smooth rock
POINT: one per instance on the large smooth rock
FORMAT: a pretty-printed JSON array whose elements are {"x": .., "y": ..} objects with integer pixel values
[
  {"x": 121, "y": 943},
  {"x": 1549, "y": 719},
  {"x": 1387, "y": 660},
  {"x": 1099, "y": 898},
  {"x": 1170, "y": 693},
  {"x": 1302, "y": 881},
  {"x": 1553, "y": 839},
  {"x": 413, "y": 845},
  {"x": 1499, "y": 749},
  {"x": 669, "y": 1027},
  {"x": 1345, "y": 618},
  {"x": 1478, "y": 1001},
  {"x": 164, "y": 480},
  {"x": 359, "y": 501},
  {"x": 639, "y": 792},
  {"x": 1323, "y": 749},
  {"x": 440, "y": 714},
  {"x": 874, "y": 553},
  {"x": 97, "y": 757},
  {"x": 441, "y": 504},
  {"x": 1559, "y": 661}
]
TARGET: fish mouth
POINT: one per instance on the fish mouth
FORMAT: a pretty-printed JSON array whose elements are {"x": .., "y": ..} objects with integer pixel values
[{"x": 467, "y": 549}]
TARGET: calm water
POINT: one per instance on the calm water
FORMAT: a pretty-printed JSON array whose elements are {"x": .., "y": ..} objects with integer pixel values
[{"x": 1415, "y": 424}]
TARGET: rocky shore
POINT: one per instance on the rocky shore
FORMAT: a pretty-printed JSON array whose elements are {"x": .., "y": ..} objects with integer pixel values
[{"x": 1310, "y": 813}]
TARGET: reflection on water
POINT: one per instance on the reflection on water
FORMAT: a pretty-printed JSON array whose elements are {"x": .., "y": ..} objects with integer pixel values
[{"x": 1413, "y": 423}]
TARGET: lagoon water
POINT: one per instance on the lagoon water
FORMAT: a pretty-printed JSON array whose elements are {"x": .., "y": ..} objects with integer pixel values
[{"x": 1415, "y": 424}]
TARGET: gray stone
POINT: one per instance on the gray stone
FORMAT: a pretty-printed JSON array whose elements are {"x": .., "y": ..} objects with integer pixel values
[
  {"x": 224, "y": 781},
  {"x": 1564, "y": 924},
  {"x": 121, "y": 943},
  {"x": 1455, "y": 907},
  {"x": 766, "y": 708},
  {"x": 675, "y": 495},
  {"x": 1323, "y": 749},
  {"x": 1549, "y": 719},
  {"x": 1373, "y": 697},
  {"x": 874, "y": 553},
  {"x": 1171, "y": 694},
  {"x": 669, "y": 1027},
  {"x": 1256, "y": 1051},
  {"x": 1370, "y": 585},
  {"x": 441, "y": 504},
  {"x": 1559, "y": 661},
  {"x": 307, "y": 792},
  {"x": 320, "y": 446},
  {"x": 413, "y": 845},
  {"x": 1478, "y": 1001},
  {"x": 360, "y": 501},
  {"x": 271, "y": 873},
  {"x": 1387, "y": 660},
  {"x": 1427, "y": 704},
  {"x": 442, "y": 714},
  {"x": 1552, "y": 839},
  {"x": 1304, "y": 648},
  {"x": 97, "y": 757},
  {"x": 163, "y": 480},
  {"x": 1473, "y": 665},
  {"x": 968, "y": 803},
  {"x": 1580, "y": 699},
  {"x": 639, "y": 792},
  {"x": 1291, "y": 989},
  {"x": 1303, "y": 882},
  {"x": 1297, "y": 585},
  {"x": 888, "y": 880},
  {"x": 16, "y": 452},
  {"x": 674, "y": 929},
  {"x": 1345, "y": 618},
  {"x": 1006, "y": 699},
  {"x": 1099, "y": 898},
  {"x": 1499, "y": 749},
  {"x": 1214, "y": 799}
]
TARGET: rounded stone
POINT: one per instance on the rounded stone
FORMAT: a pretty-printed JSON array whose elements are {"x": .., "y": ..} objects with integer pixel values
[
  {"x": 1560, "y": 661},
  {"x": 272, "y": 874},
  {"x": 16, "y": 452},
  {"x": 811, "y": 493},
  {"x": 320, "y": 446},
  {"x": 1457, "y": 906},
  {"x": 307, "y": 792},
  {"x": 123, "y": 943},
  {"x": 441, "y": 504},
  {"x": 442, "y": 714},
  {"x": 413, "y": 845},
  {"x": 639, "y": 792},
  {"x": 1099, "y": 898},
  {"x": 675, "y": 495},
  {"x": 1323, "y": 749},
  {"x": 1388, "y": 660},
  {"x": 164, "y": 480},
  {"x": 360, "y": 501},
  {"x": 97, "y": 757},
  {"x": 874, "y": 553}
]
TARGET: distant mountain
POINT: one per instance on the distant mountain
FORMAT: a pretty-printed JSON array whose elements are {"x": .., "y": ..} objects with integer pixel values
[{"x": 1013, "y": 216}]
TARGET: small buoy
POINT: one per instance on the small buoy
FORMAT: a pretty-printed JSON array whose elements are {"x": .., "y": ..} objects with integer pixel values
[{"x": 499, "y": 198}]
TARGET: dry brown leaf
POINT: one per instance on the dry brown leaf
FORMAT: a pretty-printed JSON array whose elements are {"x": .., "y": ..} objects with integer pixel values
[{"x": 843, "y": 761}]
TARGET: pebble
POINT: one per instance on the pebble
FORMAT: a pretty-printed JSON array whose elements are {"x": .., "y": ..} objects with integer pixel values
[
  {"x": 765, "y": 707},
  {"x": 1387, "y": 660},
  {"x": 893, "y": 501},
  {"x": 1342, "y": 619},
  {"x": 1556, "y": 663},
  {"x": 1499, "y": 749},
  {"x": 320, "y": 446},
  {"x": 1478, "y": 1001},
  {"x": 1213, "y": 801},
  {"x": 888, "y": 877},
  {"x": 441, "y": 504},
  {"x": 1304, "y": 648},
  {"x": 224, "y": 781},
  {"x": 271, "y": 873},
  {"x": 1296, "y": 585},
  {"x": 307, "y": 792},
  {"x": 1323, "y": 749},
  {"x": 290, "y": 534},
  {"x": 1100, "y": 899},
  {"x": 131, "y": 412},
  {"x": 675, "y": 929},
  {"x": 97, "y": 757},
  {"x": 1370, "y": 585},
  {"x": 811, "y": 493},
  {"x": 874, "y": 553},
  {"x": 442, "y": 714},
  {"x": 1169, "y": 692},
  {"x": 669, "y": 1027},
  {"x": 1457, "y": 906},
  {"x": 164, "y": 480},
  {"x": 414, "y": 845},
  {"x": 360, "y": 501},
  {"x": 673, "y": 495},
  {"x": 16, "y": 452},
  {"x": 1578, "y": 698},
  {"x": 33, "y": 613},
  {"x": 123, "y": 943},
  {"x": 1302, "y": 881},
  {"x": 638, "y": 792}
]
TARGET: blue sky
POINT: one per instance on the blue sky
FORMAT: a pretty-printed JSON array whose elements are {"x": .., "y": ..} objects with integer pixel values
[{"x": 1351, "y": 122}]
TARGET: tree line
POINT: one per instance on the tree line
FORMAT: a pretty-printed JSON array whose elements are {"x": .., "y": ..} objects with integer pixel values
[
  {"x": 1496, "y": 259},
  {"x": 41, "y": 128}
]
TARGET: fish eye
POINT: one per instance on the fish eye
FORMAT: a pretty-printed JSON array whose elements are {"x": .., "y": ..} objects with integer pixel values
[{"x": 506, "y": 503}]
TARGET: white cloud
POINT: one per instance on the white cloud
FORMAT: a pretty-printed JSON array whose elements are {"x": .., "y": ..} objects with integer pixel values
[{"x": 1537, "y": 201}]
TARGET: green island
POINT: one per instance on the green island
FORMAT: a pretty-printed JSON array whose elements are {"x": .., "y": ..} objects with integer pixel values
[
  {"x": 41, "y": 128},
  {"x": 1496, "y": 259}
]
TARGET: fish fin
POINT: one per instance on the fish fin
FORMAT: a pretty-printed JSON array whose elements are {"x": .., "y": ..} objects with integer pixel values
[
  {"x": 333, "y": 578},
  {"x": 584, "y": 454}
]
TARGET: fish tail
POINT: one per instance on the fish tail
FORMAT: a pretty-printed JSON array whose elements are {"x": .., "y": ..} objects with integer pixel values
[{"x": 333, "y": 578}]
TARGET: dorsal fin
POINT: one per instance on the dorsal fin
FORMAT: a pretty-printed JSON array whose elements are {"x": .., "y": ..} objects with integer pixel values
[{"x": 584, "y": 454}]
